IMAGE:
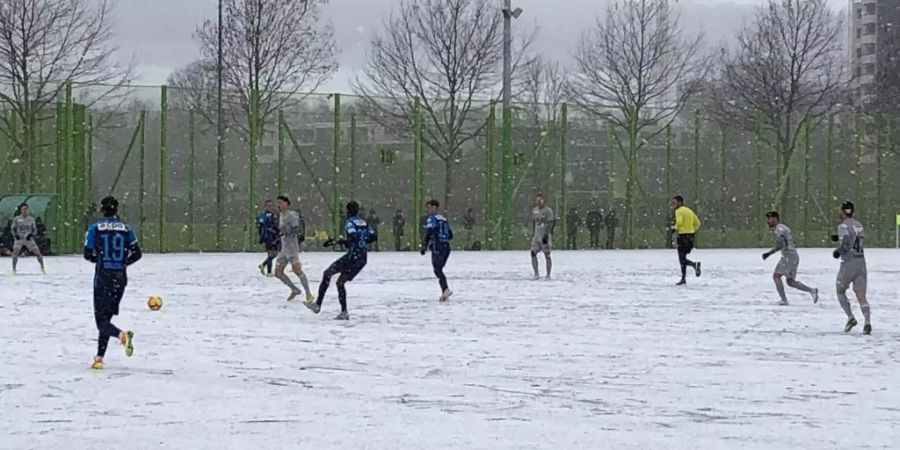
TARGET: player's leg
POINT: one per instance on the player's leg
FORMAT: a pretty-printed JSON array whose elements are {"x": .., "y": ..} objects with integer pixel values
[
  {"x": 342, "y": 295},
  {"x": 104, "y": 308},
  {"x": 779, "y": 286},
  {"x": 682, "y": 259},
  {"x": 271, "y": 254},
  {"x": 279, "y": 273},
  {"x": 117, "y": 292},
  {"x": 547, "y": 249},
  {"x": 859, "y": 288},
  {"x": 333, "y": 269},
  {"x": 16, "y": 251},
  {"x": 842, "y": 285},
  {"x": 36, "y": 251},
  {"x": 438, "y": 261},
  {"x": 298, "y": 270}
]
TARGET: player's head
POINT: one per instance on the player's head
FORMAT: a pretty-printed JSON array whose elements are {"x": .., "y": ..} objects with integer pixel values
[
  {"x": 284, "y": 203},
  {"x": 677, "y": 201},
  {"x": 23, "y": 210},
  {"x": 773, "y": 218},
  {"x": 846, "y": 211},
  {"x": 268, "y": 204},
  {"x": 431, "y": 206},
  {"x": 352, "y": 208},
  {"x": 109, "y": 206},
  {"x": 539, "y": 200}
]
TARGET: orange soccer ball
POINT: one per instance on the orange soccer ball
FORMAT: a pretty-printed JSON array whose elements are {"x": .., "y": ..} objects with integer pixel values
[{"x": 154, "y": 303}]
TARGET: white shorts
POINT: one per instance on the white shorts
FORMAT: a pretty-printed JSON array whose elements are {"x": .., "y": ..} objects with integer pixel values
[
  {"x": 284, "y": 259},
  {"x": 29, "y": 244},
  {"x": 538, "y": 246}
]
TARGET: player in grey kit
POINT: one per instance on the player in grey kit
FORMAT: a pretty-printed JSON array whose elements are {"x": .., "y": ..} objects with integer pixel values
[
  {"x": 790, "y": 259},
  {"x": 543, "y": 223},
  {"x": 850, "y": 236},
  {"x": 24, "y": 229},
  {"x": 292, "y": 233}
]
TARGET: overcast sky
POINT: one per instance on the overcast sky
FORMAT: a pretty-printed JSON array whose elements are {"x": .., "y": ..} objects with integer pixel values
[{"x": 159, "y": 33}]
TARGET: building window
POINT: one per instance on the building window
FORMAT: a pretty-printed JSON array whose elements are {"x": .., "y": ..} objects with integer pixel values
[
  {"x": 858, "y": 71},
  {"x": 870, "y": 69},
  {"x": 859, "y": 13},
  {"x": 870, "y": 29},
  {"x": 858, "y": 33},
  {"x": 868, "y": 49},
  {"x": 870, "y": 8}
]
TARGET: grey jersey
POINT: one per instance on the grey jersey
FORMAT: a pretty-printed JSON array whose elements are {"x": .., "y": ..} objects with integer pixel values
[
  {"x": 784, "y": 240},
  {"x": 850, "y": 240},
  {"x": 289, "y": 225},
  {"x": 22, "y": 227},
  {"x": 543, "y": 221}
]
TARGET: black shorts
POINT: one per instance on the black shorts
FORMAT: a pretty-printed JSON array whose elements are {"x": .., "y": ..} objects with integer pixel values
[
  {"x": 271, "y": 246},
  {"x": 685, "y": 243},
  {"x": 109, "y": 287},
  {"x": 349, "y": 268}
]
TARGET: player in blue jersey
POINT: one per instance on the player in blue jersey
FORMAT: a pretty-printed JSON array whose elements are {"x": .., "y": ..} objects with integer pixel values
[
  {"x": 438, "y": 235},
  {"x": 112, "y": 246},
  {"x": 357, "y": 237},
  {"x": 267, "y": 228}
]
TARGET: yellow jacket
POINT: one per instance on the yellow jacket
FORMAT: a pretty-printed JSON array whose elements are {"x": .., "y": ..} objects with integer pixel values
[{"x": 686, "y": 221}]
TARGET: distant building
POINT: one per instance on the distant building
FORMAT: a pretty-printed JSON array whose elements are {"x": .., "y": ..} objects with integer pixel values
[{"x": 873, "y": 45}]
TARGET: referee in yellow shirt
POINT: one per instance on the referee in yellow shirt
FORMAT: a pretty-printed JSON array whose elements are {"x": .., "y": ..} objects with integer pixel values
[{"x": 686, "y": 225}]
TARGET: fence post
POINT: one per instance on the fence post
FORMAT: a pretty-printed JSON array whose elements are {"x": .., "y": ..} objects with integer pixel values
[
  {"x": 335, "y": 169},
  {"x": 255, "y": 134},
  {"x": 193, "y": 145},
  {"x": 759, "y": 175},
  {"x": 281, "y": 161},
  {"x": 89, "y": 162},
  {"x": 489, "y": 219},
  {"x": 142, "y": 144},
  {"x": 829, "y": 177},
  {"x": 70, "y": 169},
  {"x": 696, "y": 171},
  {"x": 352, "y": 174},
  {"x": 505, "y": 176},
  {"x": 417, "y": 138},
  {"x": 724, "y": 190},
  {"x": 163, "y": 164},
  {"x": 563, "y": 165},
  {"x": 807, "y": 144}
]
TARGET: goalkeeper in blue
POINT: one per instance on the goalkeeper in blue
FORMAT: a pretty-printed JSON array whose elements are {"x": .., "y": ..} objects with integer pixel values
[
  {"x": 357, "y": 237},
  {"x": 112, "y": 247},
  {"x": 438, "y": 235}
]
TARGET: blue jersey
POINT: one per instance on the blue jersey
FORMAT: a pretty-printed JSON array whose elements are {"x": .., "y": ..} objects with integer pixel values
[
  {"x": 438, "y": 233},
  {"x": 267, "y": 226},
  {"x": 111, "y": 244},
  {"x": 358, "y": 236}
]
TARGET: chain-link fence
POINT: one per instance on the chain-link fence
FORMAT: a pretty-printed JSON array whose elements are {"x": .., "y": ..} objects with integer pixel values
[{"x": 324, "y": 150}]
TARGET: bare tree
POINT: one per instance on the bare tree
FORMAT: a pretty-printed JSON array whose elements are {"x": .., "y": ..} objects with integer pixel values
[
  {"x": 542, "y": 87},
  {"x": 788, "y": 68},
  {"x": 446, "y": 54},
  {"x": 44, "y": 45},
  {"x": 273, "y": 50},
  {"x": 636, "y": 69},
  {"x": 195, "y": 89}
]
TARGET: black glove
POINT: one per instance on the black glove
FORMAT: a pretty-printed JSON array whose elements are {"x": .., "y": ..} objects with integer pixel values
[
  {"x": 301, "y": 238},
  {"x": 328, "y": 243},
  {"x": 29, "y": 237},
  {"x": 766, "y": 255},
  {"x": 545, "y": 240},
  {"x": 835, "y": 238},
  {"x": 422, "y": 252},
  {"x": 836, "y": 254}
]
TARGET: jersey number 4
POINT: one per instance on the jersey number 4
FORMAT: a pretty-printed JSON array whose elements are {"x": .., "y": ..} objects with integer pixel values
[
  {"x": 113, "y": 247},
  {"x": 857, "y": 245}
]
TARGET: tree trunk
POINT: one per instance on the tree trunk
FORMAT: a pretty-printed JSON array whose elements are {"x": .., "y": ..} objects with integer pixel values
[{"x": 448, "y": 183}]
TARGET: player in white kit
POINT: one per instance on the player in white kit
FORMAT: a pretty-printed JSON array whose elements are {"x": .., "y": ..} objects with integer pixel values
[{"x": 790, "y": 259}]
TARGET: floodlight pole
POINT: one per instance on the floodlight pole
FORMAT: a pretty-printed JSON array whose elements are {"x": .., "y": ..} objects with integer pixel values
[{"x": 505, "y": 169}]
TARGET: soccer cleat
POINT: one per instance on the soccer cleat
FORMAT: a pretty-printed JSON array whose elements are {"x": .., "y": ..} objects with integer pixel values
[
  {"x": 536, "y": 277},
  {"x": 815, "y": 296},
  {"x": 262, "y": 269},
  {"x": 681, "y": 283},
  {"x": 445, "y": 295},
  {"x": 783, "y": 303},
  {"x": 344, "y": 315},
  {"x": 310, "y": 298},
  {"x": 293, "y": 295},
  {"x": 867, "y": 328},
  {"x": 14, "y": 272},
  {"x": 43, "y": 271},
  {"x": 98, "y": 363},
  {"x": 850, "y": 324},
  {"x": 313, "y": 306},
  {"x": 697, "y": 268},
  {"x": 127, "y": 337}
]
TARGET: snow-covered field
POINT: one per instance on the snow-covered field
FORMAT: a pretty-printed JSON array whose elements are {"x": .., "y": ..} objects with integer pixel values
[{"x": 610, "y": 354}]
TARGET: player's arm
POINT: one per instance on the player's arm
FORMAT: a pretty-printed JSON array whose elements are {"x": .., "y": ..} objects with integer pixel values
[
  {"x": 134, "y": 249},
  {"x": 696, "y": 222},
  {"x": 779, "y": 245},
  {"x": 679, "y": 220},
  {"x": 373, "y": 235},
  {"x": 430, "y": 230},
  {"x": 844, "y": 242},
  {"x": 90, "y": 251}
]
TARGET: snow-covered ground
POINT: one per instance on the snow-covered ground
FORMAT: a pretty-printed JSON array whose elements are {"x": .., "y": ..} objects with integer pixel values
[{"x": 609, "y": 354}]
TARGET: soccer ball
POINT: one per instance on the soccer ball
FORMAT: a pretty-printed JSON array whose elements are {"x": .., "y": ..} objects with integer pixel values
[{"x": 154, "y": 303}]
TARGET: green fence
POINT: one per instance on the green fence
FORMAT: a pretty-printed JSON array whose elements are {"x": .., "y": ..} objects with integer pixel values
[{"x": 159, "y": 153}]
